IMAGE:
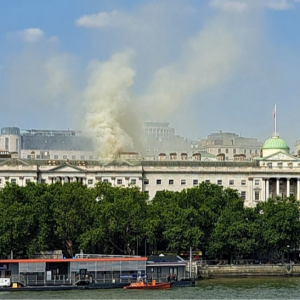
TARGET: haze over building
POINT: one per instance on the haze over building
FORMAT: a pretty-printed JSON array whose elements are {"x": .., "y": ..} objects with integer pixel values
[{"x": 159, "y": 138}]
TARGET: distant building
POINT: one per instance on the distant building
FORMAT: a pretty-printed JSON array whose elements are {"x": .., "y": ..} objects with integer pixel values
[
  {"x": 160, "y": 138},
  {"x": 160, "y": 130},
  {"x": 297, "y": 148},
  {"x": 46, "y": 144},
  {"x": 230, "y": 146}
]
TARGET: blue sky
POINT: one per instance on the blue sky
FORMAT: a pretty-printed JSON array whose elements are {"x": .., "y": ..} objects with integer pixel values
[{"x": 202, "y": 66}]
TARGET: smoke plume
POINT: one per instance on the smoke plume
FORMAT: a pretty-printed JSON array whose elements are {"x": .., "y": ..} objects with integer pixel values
[
  {"x": 108, "y": 103},
  {"x": 174, "y": 66},
  {"x": 208, "y": 59}
]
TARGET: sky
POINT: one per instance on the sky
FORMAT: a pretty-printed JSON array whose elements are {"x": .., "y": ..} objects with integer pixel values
[{"x": 105, "y": 67}]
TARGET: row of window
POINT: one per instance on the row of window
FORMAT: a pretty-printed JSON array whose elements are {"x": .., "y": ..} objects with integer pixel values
[
  {"x": 234, "y": 151},
  {"x": 14, "y": 181},
  {"x": 38, "y": 156},
  {"x": 119, "y": 181},
  {"x": 159, "y": 181},
  {"x": 196, "y": 182},
  {"x": 90, "y": 181},
  {"x": 256, "y": 195}
]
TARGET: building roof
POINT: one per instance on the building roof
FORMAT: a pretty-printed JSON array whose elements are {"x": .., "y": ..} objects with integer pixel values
[
  {"x": 47, "y": 260},
  {"x": 168, "y": 260},
  {"x": 275, "y": 143}
]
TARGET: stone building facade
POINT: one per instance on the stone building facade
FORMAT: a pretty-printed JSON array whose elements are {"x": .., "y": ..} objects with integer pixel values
[
  {"x": 229, "y": 145},
  {"x": 275, "y": 172}
]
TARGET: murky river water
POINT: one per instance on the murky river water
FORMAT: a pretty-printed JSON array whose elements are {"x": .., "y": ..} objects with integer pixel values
[{"x": 231, "y": 288}]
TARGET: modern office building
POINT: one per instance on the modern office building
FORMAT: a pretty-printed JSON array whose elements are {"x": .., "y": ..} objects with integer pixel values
[{"x": 46, "y": 144}]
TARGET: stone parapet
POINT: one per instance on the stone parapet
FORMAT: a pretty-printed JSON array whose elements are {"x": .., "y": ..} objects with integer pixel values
[{"x": 248, "y": 270}]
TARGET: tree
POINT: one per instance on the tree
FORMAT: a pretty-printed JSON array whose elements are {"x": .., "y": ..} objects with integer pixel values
[
  {"x": 209, "y": 200},
  {"x": 16, "y": 221},
  {"x": 234, "y": 231},
  {"x": 71, "y": 206},
  {"x": 280, "y": 224},
  {"x": 119, "y": 218}
]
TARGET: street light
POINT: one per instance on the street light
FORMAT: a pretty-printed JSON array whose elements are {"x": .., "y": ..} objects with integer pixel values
[
  {"x": 190, "y": 262},
  {"x": 191, "y": 219}
]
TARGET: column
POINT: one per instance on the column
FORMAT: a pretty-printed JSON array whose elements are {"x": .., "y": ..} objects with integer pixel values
[
  {"x": 267, "y": 189},
  {"x": 288, "y": 187},
  {"x": 263, "y": 192},
  {"x": 298, "y": 188},
  {"x": 251, "y": 190},
  {"x": 277, "y": 187},
  {"x": 113, "y": 181}
]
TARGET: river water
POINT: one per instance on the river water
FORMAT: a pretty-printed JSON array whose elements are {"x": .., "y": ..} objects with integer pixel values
[{"x": 226, "y": 288}]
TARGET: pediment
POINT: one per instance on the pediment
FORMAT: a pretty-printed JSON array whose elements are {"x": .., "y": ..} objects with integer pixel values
[
  {"x": 13, "y": 162},
  {"x": 281, "y": 156},
  {"x": 66, "y": 169}
]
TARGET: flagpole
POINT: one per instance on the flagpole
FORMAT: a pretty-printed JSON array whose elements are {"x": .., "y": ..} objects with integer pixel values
[{"x": 275, "y": 117}]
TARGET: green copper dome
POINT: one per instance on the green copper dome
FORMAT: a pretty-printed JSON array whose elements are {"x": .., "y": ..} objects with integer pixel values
[{"x": 275, "y": 143}]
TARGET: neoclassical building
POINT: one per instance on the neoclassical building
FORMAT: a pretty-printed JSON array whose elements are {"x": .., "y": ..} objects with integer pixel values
[{"x": 274, "y": 172}]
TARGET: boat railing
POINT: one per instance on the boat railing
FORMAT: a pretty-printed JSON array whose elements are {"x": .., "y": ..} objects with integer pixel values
[
  {"x": 163, "y": 277},
  {"x": 114, "y": 280},
  {"x": 59, "y": 280},
  {"x": 18, "y": 278},
  {"x": 36, "y": 279},
  {"x": 81, "y": 278}
]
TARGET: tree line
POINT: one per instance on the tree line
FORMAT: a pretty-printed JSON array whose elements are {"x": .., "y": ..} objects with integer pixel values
[{"x": 119, "y": 220}]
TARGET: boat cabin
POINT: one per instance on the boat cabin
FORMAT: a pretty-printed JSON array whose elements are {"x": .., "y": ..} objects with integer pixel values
[
  {"x": 158, "y": 267},
  {"x": 85, "y": 269}
]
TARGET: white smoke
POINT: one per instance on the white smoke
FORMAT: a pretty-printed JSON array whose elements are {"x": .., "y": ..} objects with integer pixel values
[
  {"x": 107, "y": 100},
  {"x": 208, "y": 59}
]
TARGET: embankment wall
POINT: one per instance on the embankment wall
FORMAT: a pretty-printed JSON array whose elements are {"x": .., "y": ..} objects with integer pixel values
[{"x": 248, "y": 270}]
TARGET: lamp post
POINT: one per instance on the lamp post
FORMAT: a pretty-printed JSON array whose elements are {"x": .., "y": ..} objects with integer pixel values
[
  {"x": 190, "y": 262},
  {"x": 191, "y": 219}
]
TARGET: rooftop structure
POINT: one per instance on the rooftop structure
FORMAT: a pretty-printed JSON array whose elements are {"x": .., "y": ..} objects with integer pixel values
[{"x": 273, "y": 145}]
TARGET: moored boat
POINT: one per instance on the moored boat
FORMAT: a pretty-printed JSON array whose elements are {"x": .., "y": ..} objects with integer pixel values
[{"x": 148, "y": 286}]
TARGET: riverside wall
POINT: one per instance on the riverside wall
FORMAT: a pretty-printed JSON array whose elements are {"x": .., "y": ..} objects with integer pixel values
[{"x": 247, "y": 270}]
